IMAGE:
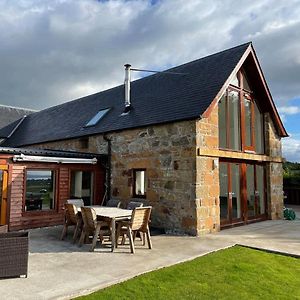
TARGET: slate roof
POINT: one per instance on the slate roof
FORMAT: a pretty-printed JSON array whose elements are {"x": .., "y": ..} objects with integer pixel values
[
  {"x": 10, "y": 115},
  {"x": 155, "y": 99}
]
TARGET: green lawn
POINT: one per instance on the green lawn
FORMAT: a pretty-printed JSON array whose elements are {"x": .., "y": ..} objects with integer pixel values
[{"x": 235, "y": 273}]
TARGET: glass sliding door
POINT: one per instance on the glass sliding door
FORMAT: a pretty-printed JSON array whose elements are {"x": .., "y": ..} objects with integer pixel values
[
  {"x": 235, "y": 191},
  {"x": 242, "y": 192},
  {"x": 260, "y": 191},
  {"x": 82, "y": 186},
  {"x": 250, "y": 190},
  {"x": 230, "y": 193},
  {"x": 223, "y": 174}
]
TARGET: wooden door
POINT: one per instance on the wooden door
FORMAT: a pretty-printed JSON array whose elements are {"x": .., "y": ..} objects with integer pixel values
[{"x": 3, "y": 194}]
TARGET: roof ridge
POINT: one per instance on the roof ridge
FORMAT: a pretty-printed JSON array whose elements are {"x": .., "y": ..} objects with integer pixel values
[{"x": 17, "y": 107}]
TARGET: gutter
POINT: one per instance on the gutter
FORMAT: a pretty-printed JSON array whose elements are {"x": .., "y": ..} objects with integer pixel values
[{"x": 108, "y": 168}]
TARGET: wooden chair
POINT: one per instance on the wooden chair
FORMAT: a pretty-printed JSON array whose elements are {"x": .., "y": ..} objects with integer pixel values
[
  {"x": 113, "y": 203},
  {"x": 91, "y": 227},
  {"x": 132, "y": 205},
  {"x": 139, "y": 223},
  {"x": 72, "y": 218}
]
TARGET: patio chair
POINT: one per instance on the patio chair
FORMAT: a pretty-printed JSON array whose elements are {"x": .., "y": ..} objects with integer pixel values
[
  {"x": 139, "y": 223},
  {"x": 113, "y": 203},
  {"x": 72, "y": 218},
  {"x": 132, "y": 205},
  {"x": 76, "y": 202},
  {"x": 91, "y": 227}
]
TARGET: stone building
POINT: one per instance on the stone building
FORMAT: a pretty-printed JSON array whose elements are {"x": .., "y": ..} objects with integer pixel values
[{"x": 200, "y": 143}]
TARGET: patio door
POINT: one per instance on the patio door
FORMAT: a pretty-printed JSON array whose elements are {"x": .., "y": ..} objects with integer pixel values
[
  {"x": 3, "y": 194},
  {"x": 242, "y": 193},
  {"x": 230, "y": 193}
]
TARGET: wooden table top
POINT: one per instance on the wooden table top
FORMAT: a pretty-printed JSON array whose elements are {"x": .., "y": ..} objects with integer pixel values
[{"x": 111, "y": 212}]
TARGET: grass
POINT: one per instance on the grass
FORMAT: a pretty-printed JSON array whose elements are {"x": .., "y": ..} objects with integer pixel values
[{"x": 234, "y": 273}]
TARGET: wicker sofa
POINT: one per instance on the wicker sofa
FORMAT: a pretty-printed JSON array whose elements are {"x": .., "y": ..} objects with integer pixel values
[{"x": 14, "y": 254}]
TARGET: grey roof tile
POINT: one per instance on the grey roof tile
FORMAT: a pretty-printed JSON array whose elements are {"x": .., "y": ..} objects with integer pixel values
[{"x": 155, "y": 99}]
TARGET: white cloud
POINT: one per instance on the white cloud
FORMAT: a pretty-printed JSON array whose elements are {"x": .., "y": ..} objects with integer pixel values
[
  {"x": 54, "y": 51},
  {"x": 289, "y": 110},
  {"x": 291, "y": 149}
]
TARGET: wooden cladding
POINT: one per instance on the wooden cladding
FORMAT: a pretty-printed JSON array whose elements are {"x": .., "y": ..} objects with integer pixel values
[{"x": 20, "y": 219}]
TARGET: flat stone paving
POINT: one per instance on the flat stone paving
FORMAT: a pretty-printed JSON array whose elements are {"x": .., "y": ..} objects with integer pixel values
[{"x": 61, "y": 270}]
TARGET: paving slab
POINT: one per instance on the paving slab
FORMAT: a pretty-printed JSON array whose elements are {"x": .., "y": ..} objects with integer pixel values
[{"x": 61, "y": 270}]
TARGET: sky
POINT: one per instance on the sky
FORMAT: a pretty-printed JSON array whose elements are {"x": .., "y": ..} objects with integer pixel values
[{"x": 53, "y": 51}]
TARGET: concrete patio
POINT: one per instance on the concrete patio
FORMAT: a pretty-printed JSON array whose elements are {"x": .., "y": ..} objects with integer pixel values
[{"x": 61, "y": 270}]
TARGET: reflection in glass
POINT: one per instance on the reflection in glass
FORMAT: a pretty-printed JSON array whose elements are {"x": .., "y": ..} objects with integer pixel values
[
  {"x": 223, "y": 191},
  {"x": 39, "y": 190},
  {"x": 246, "y": 85},
  {"x": 260, "y": 190},
  {"x": 234, "y": 120},
  {"x": 259, "y": 135},
  {"x": 250, "y": 190},
  {"x": 222, "y": 123},
  {"x": 248, "y": 128},
  {"x": 236, "y": 191},
  {"x": 235, "y": 80}
]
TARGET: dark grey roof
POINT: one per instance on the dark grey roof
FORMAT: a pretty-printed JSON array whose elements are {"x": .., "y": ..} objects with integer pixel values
[
  {"x": 51, "y": 153},
  {"x": 9, "y": 114},
  {"x": 155, "y": 99}
]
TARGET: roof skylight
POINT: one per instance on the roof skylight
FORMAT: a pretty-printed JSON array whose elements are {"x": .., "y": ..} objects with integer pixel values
[{"x": 97, "y": 117}]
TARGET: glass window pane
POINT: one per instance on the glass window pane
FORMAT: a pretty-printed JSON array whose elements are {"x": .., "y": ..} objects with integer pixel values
[
  {"x": 246, "y": 85},
  {"x": 223, "y": 175},
  {"x": 95, "y": 119},
  {"x": 259, "y": 135},
  {"x": 250, "y": 190},
  {"x": 235, "y": 80},
  {"x": 39, "y": 190},
  {"x": 236, "y": 191},
  {"x": 222, "y": 123},
  {"x": 248, "y": 118},
  {"x": 260, "y": 189},
  {"x": 234, "y": 120},
  {"x": 82, "y": 186},
  {"x": 140, "y": 183}
]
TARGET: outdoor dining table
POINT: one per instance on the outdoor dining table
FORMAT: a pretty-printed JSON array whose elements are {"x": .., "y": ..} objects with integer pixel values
[{"x": 111, "y": 214}]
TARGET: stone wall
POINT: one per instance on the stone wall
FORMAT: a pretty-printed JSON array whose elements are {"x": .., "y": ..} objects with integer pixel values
[
  {"x": 274, "y": 171},
  {"x": 168, "y": 153},
  {"x": 207, "y": 179},
  {"x": 181, "y": 162}
]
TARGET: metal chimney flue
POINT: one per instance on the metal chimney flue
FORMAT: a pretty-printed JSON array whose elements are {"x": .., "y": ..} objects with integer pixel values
[{"x": 127, "y": 87}]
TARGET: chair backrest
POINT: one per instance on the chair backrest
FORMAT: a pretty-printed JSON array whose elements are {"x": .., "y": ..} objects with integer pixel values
[
  {"x": 76, "y": 202},
  {"x": 89, "y": 217},
  {"x": 140, "y": 218},
  {"x": 132, "y": 205},
  {"x": 71, "y": 213},
  {"x": 113, "y": 203}
]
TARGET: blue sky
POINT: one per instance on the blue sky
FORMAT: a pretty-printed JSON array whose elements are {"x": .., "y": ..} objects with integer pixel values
[{"x": 53, "y": 51}]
